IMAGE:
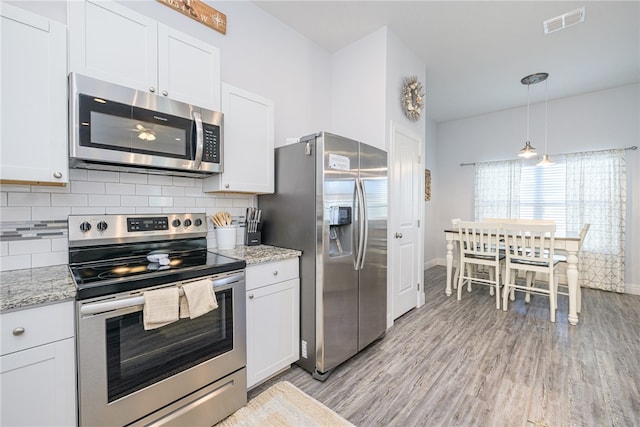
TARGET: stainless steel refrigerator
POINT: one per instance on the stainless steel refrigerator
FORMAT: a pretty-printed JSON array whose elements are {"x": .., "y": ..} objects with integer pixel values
[{"x": 331, "y": 203}]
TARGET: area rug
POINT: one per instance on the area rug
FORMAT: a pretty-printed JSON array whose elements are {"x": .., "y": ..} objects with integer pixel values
[{"x": 283, "y": 405}]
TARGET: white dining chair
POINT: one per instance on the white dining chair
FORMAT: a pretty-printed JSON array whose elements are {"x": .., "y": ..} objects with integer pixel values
[
  {"x": 480, "y": 245},
  {"x": 530, "y": 248}
]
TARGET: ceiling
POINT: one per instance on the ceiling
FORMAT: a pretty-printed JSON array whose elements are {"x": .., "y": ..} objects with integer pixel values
[{"x": 476, "y": 52}]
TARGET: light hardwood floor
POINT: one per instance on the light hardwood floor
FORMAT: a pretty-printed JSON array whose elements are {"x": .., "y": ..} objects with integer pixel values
[{"x": 464, "y": 363}]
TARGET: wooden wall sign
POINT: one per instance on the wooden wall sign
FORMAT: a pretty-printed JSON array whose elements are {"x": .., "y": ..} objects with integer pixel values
[{"x": 196, "y": 9}]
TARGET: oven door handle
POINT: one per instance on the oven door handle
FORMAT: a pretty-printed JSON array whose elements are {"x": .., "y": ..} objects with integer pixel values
[{"x": 102, "y": 307}]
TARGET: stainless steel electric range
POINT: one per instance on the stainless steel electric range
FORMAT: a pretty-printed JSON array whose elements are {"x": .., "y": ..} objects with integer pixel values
[{"x": 189, "y": 372}]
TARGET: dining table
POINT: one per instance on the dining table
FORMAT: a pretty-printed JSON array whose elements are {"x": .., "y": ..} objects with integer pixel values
[{"x": 568, "y": 243}]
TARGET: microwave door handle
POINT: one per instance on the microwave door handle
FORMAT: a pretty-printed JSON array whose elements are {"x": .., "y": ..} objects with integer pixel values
[{"x": 197, "y": 118}]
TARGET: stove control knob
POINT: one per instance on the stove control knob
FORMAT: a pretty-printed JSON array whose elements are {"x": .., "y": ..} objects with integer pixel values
[
  {"x": 176, "y": 223},
  {"x": 187, "y": 222},
  {"x": 102, "y": 226},
  {"x": 198, "y": 222},
  {"x": 85, "y": 227}
]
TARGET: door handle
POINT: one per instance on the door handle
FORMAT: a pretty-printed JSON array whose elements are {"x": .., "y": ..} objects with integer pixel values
[{"x": 398, "y": 235}]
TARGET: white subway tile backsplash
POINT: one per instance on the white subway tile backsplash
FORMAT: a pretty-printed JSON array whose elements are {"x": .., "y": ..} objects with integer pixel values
[
  {"x": 148, "y": 190},
  {"x": 50, "y": 189},
  {"x": 134, "y": 201},
  {"x": 148, "y": 210},
  {"x": 170, "y": 190},
  {"x": 78, "y": 174},
  {"x": 31, "y": 246},
  {"x": 184, "y": 182},
  {"x": 88, "y": 210},
  {"x": 69, "y": 200},
  {"x": 15, "y": 188},
  {"x": 87, "y": 187},
  {"x": 160, "y": 180},
  {"x": 208, "y": 202},
  {"x": 119, "y": 188},
  {"x": 111, "y": 210},
  {"x": 103, "y": 176},
  {"x": 29, "y": 199},
  {"x": 194, "y": 192},
  {"x": 104, "y": 200},
  {"x": 51, "y": 258},
  {"x": 49, "y": 213},
  {"x": 161, "y": 201},
  {"x": 133, "y": 178},
  {"x": 60, "y": 244},
  {"x": 15, "y": 214},
  {"x": 96, "y": 193},
  {"x": 15, "y": 262},
  {"x": 187, "y": 202}
]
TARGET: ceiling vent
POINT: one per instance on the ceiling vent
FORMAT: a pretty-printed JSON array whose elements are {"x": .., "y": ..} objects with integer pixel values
[{"x": 564, "y": 21}]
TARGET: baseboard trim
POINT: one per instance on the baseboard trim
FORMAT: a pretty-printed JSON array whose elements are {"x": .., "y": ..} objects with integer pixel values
[{"x": 632, "y": 288}]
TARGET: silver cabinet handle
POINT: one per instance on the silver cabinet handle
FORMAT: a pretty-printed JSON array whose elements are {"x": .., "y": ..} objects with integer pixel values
[
  {"x": 57, "y": 175},
  {"x": 398, "y": 235},
  {"x": 250, "y": 296},
  {"x": 18, "y": 331},
  {"x": 152, "y": 89},
  {"x": 165, "y": 93},
  {"x": 275, "y": 272},
  {"x": 226, "y": 186}
]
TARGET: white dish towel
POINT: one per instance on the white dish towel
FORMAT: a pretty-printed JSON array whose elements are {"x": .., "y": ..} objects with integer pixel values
[
  {"x": 199, "y": 298},
  {"x": 160, "y": 307}
]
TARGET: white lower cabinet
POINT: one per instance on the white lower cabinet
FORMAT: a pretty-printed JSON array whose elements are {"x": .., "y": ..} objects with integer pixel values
[
  {"x": 273, "y": 318},
  {"x": 37, "y": 367}
]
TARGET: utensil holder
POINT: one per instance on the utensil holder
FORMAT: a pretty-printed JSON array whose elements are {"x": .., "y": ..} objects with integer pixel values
[{"x": 226, "y": 237}]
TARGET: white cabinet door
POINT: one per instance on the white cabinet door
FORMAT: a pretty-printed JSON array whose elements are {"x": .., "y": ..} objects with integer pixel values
[
  {"x": 188, "y": 69},
  {"x": 248, "y": 144},
  {"x": 273, "y": 329},
  {"x": 111, "y": 42},
  {"x": 33, "y": 121},
  {"x": 38, "y": 386}
]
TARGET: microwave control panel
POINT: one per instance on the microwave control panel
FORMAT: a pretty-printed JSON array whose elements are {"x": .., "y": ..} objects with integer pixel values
[{"x": 211, "y": 144}]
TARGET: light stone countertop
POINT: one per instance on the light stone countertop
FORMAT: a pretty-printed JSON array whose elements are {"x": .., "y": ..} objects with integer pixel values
[
  {"x": 33, "y": 286},
  {"x": 259, "y": 254},
  {"x": 44, "y": 285}
]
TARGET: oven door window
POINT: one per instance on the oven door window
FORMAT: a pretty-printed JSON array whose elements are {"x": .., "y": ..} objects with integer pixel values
[
  {"x": 137, "y": 358},
  {"x": 115, "y": 126}
]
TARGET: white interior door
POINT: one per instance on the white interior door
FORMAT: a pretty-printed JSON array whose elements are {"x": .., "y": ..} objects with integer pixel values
[{"x": 405, "y": 238}]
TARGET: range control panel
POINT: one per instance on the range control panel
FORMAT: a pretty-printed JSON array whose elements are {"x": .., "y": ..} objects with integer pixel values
[{"x": 107, "y": 229}]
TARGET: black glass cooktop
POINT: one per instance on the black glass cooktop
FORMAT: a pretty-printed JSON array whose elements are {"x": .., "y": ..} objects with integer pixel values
[{"x": 107, "y": 270}]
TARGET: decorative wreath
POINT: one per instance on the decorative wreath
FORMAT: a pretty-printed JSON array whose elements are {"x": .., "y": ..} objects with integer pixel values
[{"x": 412, "y": 97}]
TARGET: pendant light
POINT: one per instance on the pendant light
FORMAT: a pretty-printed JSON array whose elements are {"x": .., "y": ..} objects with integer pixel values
[
  {"x": 528, "y": 151},
  {"x": 546, "y": 161}
]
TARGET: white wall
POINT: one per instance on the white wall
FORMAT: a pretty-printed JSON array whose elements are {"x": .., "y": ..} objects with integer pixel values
[
  {"x": 358, "y": 90},
  {"x": 593, "y": 121}
]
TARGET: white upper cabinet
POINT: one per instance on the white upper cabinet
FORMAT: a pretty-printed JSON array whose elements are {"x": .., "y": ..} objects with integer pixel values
[
  {"x": 249, "y": 136},
  {"x": 33, "y": 111},
  {"x": 111, "y": 42}
]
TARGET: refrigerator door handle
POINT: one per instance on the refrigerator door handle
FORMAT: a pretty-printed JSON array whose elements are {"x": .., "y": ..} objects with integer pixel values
[
  {"x": 361, "y": 225},
  {"x": 365, "y": 223}
]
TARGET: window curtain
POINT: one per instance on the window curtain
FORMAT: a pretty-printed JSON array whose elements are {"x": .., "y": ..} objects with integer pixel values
[
  {"x": 596, "y": 195},
  {"x": 497, "y": 192}
]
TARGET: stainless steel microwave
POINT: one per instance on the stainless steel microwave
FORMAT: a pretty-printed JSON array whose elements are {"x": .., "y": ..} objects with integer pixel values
[{"x": 112, "y": 127}]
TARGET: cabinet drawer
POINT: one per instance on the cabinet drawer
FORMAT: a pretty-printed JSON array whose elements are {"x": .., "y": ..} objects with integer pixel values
[
  {"x": 32, "y": 327},
  {"x": 271, "y": 272}
]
